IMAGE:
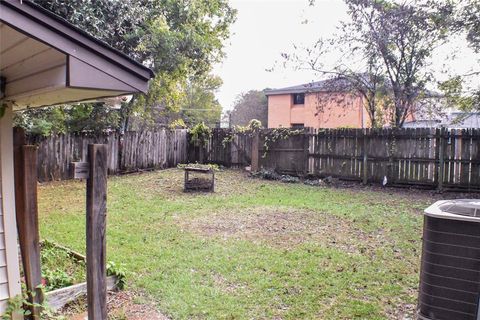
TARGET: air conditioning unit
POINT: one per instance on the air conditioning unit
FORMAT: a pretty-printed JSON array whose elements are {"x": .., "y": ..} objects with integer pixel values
[{"x": 450, "y": 267}]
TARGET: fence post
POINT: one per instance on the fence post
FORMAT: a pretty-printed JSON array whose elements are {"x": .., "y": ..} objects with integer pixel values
[
  {"x": 27, "y": 218},
  {"x": 201, "y": 151},
  {"x": 120, "y": 145},
  {"x": 255, "y": 155},
  {"x": 306, "y": 150},
  {"x": 390, "y": 133},
  {"x": 365, "y": 157},
  {"x": 96, "y": 237},
  {"x": 441, "y": 158}
]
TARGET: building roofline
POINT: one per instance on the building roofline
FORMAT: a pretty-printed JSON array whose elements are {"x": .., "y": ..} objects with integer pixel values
[
  {"x": 338, "y": 84},
  {"x": 66, "y": 29},
  {"x": 273, "y": 92},
  {"x": 304, "y": 88},
  {"x": 323, "y": 86}
]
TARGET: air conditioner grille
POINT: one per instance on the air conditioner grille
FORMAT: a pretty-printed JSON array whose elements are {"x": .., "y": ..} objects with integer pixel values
[{"x": 450, "y": 276}]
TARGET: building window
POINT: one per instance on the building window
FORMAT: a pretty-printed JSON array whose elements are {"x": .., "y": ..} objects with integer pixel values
[
  {"x": 299, "y": 98},
  {"x": 298, "y": 126}
]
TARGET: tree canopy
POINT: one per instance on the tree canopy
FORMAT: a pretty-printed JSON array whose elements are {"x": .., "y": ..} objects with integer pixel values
[
  {"x": 91, "y": 117},
  {"x": 200, "y": 104},
  {"x": 179, "y": 39},
  {"x": 385, "y": 50},
  {"x": 402, "y": 37},
  {"x": 464, "y": 19},
  {"x": 248, "y": 106},
  {"x": 166, "y": 35},
  {"x": 468, "y": 19}
]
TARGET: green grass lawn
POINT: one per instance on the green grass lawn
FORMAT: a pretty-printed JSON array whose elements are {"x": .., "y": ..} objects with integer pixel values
[{"x": 254, "y": 249}]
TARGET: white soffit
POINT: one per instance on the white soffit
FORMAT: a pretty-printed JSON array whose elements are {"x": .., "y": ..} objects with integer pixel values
[
  {"x": 28, "y": 65},
  {"x": 63, "y": 95},
  {"x": 39, "y": 75},
  {"x": 47, "y": 61}
]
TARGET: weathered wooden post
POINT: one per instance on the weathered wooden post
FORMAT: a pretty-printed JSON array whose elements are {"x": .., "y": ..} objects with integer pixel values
[
  {"x": 365, "y": 156},
  {"x": 255, "y": 142},
  {"x": 95, "y": 171},
  {"x": 441, "y": 157},
  {"x": 306, "y": 150},
  {"x": 96, "y": 232},
  {"x": 25, "y": 158},
  {"x": 201, "y": 152}
]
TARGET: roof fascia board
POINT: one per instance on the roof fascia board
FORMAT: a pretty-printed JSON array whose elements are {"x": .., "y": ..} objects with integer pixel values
[
  {"x": 28, "y": 27},
  {"x": 306, "y": 91},
  {"x": 81, "y": 74},
  {"x": 73, "y": 42},
  {"x": 66, "y": 29},
  {"x": 279, "y": 92}
]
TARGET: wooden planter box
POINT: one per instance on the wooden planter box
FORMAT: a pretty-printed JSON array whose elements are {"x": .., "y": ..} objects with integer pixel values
[
  {"x": 199, "y": 179},
  {"x": 58, "y": 298}
]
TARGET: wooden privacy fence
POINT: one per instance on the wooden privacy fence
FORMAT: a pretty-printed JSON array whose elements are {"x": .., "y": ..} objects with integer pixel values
[
  {"x": 419, "y": 156},
  {"x": 435, "y": 158},
  {"x": 225, "y": 147},
  {"x": 129, "y": 152},
  {"x": 153, "y": 149}
]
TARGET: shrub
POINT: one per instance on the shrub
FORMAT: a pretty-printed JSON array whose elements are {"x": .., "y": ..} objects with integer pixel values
[{"x": 266, "y": 174}]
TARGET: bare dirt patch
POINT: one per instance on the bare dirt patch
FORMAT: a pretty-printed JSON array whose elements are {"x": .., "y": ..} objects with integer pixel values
[
  {"x": 121, "y": 305},
  {"x": 284, "y": 227},
  {"x": 133, "y": 306},
  {"x": 404, "y": 312},
  {"x": 224, "y": 284}
]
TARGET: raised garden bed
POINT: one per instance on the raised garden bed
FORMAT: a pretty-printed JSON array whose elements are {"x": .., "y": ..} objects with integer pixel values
[
  {"x": 61, "y": 267},
  {"x": 64, "y": 275}
]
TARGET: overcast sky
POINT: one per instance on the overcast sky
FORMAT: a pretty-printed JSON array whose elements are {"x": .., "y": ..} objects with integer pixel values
[
  {"x": 266, "y": 28},
  {"x": 263, "y": 30}
]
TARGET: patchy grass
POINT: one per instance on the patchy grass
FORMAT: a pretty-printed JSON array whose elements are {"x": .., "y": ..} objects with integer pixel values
[
  {"x": 284, "y": 227},
  {"x": 254, "y": 249}
]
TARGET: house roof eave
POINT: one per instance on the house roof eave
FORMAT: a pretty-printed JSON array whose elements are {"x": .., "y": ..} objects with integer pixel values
[{"x": 62, "y": 27}]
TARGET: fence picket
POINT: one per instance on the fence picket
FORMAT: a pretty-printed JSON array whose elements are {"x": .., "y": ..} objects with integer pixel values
[
  {"x": 429, "y": 157},
  {"x": 130, "y": 152}
]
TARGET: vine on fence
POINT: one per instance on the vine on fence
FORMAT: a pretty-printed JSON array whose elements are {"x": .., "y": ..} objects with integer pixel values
[
  {"x": 391, "y": 146},
  {"x": 200, "y": 133},
  {"x": 177, "y": 124},
  {"x": 278, "y": 134},
  {"x": 253, "y": 126}
]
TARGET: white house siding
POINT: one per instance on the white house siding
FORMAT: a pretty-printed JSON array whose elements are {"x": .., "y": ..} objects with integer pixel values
[
  {"x": 9, "y": 264},
  {"x": 4, "y": 292}
]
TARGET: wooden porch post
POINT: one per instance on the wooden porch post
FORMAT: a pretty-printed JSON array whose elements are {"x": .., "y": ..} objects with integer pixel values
[
  {"x": 96, "y": 237},
  {"x": 25, "y": 158}
]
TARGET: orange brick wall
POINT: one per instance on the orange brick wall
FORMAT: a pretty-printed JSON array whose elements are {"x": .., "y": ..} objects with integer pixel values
[
  {"x": 297, "y": 114},
  {"x": 279, "y": 111},
  {"x": 321, "y": 110}
]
